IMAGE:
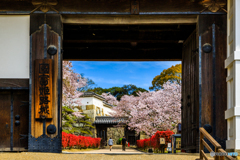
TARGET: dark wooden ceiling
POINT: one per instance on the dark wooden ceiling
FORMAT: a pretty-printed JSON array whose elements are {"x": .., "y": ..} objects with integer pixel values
[
  {"x": 124, "y": 42},
  {"x": 107, "y": 6}
]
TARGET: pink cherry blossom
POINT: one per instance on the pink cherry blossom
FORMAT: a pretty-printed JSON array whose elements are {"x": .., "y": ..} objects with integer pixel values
[
  {"x": 71, "y": 82},
  {"x": 152, "y": 111},
  {"x": 110, "y": 99},
  {"x": 78, "y": 114}
]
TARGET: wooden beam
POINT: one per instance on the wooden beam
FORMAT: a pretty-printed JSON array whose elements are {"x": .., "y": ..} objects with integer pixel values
[
  {"x": 126, "y": 36},
  {"x": 122, "y": 55},
  {"x": 109, "y": 7},
  {"x": 129, "y": 19},
  {"x": 119, "y": 41},
  {"x": 205, "y": 156},
  {"x": 210, "y": 138},
  {"x": 207, "y": 146},
  {"x": 139, "y": 28},
  {"x": 123, "y": 45},
  {"x": 85, "y": 34},
  {"x": 14, "y": 83}
]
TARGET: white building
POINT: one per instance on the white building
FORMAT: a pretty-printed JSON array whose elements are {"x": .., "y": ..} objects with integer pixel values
[{"x": 94, "y": 105}]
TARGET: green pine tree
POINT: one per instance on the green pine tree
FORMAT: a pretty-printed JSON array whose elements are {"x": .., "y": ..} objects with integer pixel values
[
  {"x": 75, "y": 125},
  {"x": 86, "y": 125}
]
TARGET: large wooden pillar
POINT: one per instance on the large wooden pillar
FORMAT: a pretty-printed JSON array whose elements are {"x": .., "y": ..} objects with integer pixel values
[
  {"x": 212, "y": 75},
  {"x": 45, "y": 97}
]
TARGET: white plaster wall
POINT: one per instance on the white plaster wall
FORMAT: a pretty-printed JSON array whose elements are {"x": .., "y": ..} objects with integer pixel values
[
  {"x": 232, "y": 63},
  {"x": 86, "y": 100},
  {"x": 14, "y": 46},
  {"x": 107, "y": 110},
  {"x": 97, "y": 102}
]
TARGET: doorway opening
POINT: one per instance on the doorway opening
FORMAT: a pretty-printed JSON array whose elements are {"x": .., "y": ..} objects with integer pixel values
[{"x": 166, "y": 42}]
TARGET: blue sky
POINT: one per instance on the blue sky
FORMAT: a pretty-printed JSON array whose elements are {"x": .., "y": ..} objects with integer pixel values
[{"x": 107, "y": 74}]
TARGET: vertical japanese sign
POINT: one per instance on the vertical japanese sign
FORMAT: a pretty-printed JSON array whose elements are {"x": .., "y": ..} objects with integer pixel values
[{"x": 43, "y": 88}]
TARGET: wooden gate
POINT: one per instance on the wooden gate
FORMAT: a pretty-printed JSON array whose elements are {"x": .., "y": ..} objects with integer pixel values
[
  {"x": 204, "y": 84},
  {"x": 190, "y": 93},
  {"x": 14, "y": 117}
]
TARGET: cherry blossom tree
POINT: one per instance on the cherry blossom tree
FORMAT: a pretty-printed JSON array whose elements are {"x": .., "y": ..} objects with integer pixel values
[
  {"x": 71, "y": 82},
  {"x": 152, "y": 111},
  {"x": 110, "y": 99}
]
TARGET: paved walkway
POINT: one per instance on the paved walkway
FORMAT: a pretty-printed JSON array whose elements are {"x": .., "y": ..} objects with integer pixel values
[
  {"x": 116, "y": 150},
  {"x": 102, "y": 154}
]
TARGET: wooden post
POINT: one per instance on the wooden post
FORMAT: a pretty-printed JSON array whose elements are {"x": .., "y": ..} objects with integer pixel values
[
  {"x": 45, "y": 30},
  {"x": 201, "y": 145},
  {"x": 212, "y": 74},
  {"x": 218, "y": 157}
]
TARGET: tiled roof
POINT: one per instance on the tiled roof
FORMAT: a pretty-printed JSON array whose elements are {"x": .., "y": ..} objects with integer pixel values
[
  {"x": 107, "y": 104},
  {"x": 92, "y": 94},
  {"x": 108, "y": 120}
]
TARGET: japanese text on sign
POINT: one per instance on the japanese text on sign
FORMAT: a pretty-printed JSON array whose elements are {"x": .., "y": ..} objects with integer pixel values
[
  {"x": 162, "y": 140},
  {"x": 43, "y": 88}
]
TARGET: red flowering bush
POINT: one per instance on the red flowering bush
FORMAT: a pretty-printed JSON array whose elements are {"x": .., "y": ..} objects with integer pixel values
[
  {"x": 65, "y": 139},
  {"x": 71, "y": 140},
  {"x": 155, "y": 141}
]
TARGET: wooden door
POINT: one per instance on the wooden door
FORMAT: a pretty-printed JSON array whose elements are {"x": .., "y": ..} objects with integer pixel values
[
  {"x": 20, "y": 120},
  {"x": 14, "y": 120},
  {"x": 5, "y": 124},
  {"x": 132, "y": 140},
  {"x": 190, "y": 94}
]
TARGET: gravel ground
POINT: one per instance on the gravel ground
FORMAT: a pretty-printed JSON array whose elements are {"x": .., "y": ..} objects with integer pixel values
[
  {"x": 62, "y": 156},
  {"x": 52, "y": 156}
]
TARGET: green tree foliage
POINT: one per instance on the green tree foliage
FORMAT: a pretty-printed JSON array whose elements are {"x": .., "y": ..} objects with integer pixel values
[
  {"x": 71, "y": 123},
  {"x": 90, "y": 84},
  {"x": 87, "y": 125},
  {"x": 118, "y": 92},
  {"x": 172, "y": 74}
]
